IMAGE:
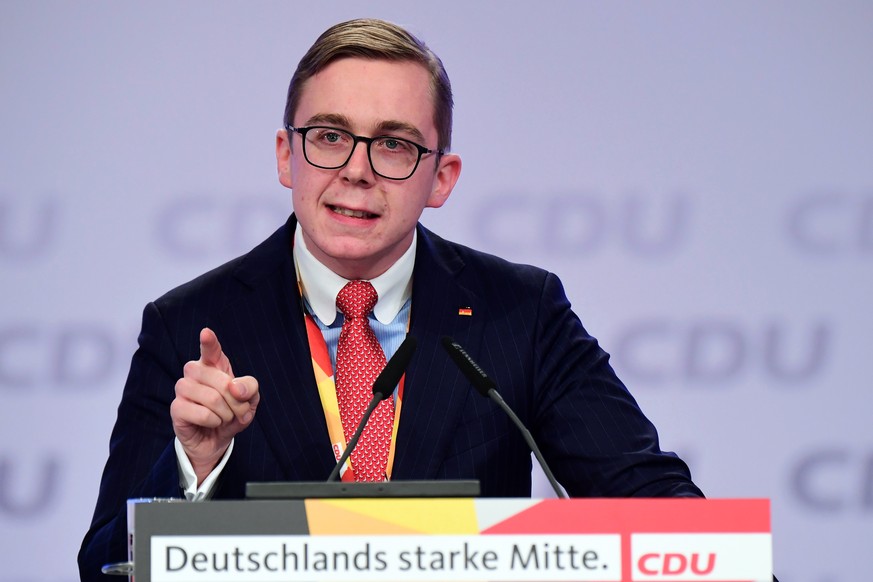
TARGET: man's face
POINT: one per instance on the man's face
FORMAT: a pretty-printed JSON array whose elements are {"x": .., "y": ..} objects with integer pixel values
[{"x": 356, "y": 222}]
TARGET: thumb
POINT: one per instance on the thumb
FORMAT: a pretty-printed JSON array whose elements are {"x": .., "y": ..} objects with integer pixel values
[{"x": 245, "y": 390}]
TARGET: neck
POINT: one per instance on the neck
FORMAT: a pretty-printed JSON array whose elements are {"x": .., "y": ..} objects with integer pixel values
[{"x": 364, "y": 268}]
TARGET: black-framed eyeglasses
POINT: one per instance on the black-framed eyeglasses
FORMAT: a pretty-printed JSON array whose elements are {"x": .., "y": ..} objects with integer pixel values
[{"x": 331, "y": 148}]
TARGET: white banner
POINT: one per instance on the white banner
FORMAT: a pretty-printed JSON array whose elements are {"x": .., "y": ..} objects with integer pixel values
[{"x": 386, "y": 558}]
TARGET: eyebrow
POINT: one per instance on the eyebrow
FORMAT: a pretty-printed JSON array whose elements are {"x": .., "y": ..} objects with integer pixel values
[
  {"x": 383, "y": 127},
  {"x": 400, "y": 126},
  {"x": 329, "y": 119}
]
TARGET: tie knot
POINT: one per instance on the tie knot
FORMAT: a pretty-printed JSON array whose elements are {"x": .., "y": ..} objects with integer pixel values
[{"x": 356, "y": 299}]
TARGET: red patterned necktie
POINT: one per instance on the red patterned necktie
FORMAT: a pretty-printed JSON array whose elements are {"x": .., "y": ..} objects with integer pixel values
[{"x": 359, "y": 359}]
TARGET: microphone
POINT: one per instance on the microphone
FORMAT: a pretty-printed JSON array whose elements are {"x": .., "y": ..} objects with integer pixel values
[
  {"x": 383, "y": 387},
  {"x": 487, "y": 388}
]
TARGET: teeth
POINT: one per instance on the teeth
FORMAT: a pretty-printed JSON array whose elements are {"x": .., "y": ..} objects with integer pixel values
[{"x": 352, "y": 213}]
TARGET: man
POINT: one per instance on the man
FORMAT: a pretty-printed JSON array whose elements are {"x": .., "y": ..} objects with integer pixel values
[{"x": 364, "y": 150}]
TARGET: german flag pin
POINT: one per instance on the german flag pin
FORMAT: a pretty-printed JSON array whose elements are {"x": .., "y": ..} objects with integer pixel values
[{"x": 467, "y": 311}]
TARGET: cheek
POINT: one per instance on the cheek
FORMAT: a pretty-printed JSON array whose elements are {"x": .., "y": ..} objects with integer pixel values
[
  {"x": 301, "y": 171},
  {"x": 419, "y": 198},
  {"x": 307, "y": 185},
  {"x": 303, "y": 202},
  {"x": 298, "y": 175}
]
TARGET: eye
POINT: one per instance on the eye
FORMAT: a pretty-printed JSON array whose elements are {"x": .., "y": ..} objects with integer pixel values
[
  {"x": 327, "y": 136},
  {"x": 390, "y": 144},
  {"x": 331, "y": 136}
]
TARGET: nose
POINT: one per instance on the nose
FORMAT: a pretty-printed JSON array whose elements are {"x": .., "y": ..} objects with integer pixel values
[{"x": 358, "y": 168}]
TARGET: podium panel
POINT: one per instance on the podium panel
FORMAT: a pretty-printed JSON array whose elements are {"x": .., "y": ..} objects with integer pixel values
[{"x": 598, "y": 540}]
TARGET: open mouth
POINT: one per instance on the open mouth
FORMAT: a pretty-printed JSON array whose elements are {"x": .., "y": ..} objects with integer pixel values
[{"x": 352, "y": 213}]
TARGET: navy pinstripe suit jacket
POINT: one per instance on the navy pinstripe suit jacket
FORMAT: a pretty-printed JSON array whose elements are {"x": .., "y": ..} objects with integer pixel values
[{"x": 522, "y": 332}]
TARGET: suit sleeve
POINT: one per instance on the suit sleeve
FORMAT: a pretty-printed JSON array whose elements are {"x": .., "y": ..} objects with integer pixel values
[
  {"x": 592, "y": 432},
  {"x": 142, "y": 460}
]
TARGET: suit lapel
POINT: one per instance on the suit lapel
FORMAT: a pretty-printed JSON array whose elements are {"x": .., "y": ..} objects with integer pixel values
[
  {"x": 269, "y": 342},
  {"x": 266, "y": 337},
  {"x": 435, "y": 391}
]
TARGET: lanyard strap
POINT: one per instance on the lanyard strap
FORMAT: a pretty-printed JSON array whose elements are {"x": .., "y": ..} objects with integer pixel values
[{"x": 324, "y": 379}]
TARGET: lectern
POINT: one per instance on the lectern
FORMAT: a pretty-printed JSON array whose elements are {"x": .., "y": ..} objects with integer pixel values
[{"x": 430, "y": 539}]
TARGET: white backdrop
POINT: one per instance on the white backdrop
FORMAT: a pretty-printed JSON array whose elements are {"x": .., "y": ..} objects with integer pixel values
[{"x": 699, "y": 174}]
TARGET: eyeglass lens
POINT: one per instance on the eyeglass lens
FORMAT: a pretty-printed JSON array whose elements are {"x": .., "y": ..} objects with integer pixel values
[{"x": 330, "y": 148}]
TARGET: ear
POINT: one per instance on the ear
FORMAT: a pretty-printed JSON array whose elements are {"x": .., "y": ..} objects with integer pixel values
[
  {"x": 447, "y": 174},
  {"x": 283, "y": 158}
]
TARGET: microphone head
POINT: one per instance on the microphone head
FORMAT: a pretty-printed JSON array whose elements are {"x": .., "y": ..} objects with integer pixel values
[
  {"x": 476, "y": 375},
  {"x": 394, "y": 369}
]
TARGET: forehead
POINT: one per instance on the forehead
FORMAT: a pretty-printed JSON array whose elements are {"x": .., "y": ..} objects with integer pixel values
[{"x": 370, "y": 93}]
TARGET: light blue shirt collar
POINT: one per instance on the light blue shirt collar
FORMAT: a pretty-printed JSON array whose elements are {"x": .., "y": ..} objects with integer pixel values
[{"x": 320, "y": 285}]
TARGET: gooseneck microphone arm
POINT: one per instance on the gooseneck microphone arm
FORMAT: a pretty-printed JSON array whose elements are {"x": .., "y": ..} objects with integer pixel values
[
  {"x": 487, "y": 388},
  {"x": 383, "y": 387}
]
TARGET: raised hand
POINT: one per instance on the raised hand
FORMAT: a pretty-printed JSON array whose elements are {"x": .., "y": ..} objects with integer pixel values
[{"x": 211, "y": 405}]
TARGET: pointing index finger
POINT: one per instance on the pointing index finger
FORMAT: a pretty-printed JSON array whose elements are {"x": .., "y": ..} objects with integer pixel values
[{"x": 210, "y": 348}]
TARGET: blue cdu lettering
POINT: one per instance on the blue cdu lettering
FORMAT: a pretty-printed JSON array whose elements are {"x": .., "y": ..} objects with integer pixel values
[
  {"x": 576, "y": 224},
  {"x": 27, "y": 228},
  {"x": 713, "y": 352},
  {"x": 197, "y": 227},
  {"x": 831, "y": 223},
  {"x": 39, "y": 496},
  {"x": 834, "y": 480},
  {"x": 73, "y": 356}
]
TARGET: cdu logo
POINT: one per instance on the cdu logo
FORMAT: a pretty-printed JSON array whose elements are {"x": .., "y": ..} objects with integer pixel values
[
  {"x": 676, "y": 564},
  {"x": 77, "y": 356},
  {"x": 718, "y": 351},
  {"x": 831, "y": 223},
  {"x": 28, "y": 487},
  {"x": 198, "y": 227},
  {"x": 574, "y": 224},
  {"x": 834, "y": 480},
  {"x": 27, "y": 228}
]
